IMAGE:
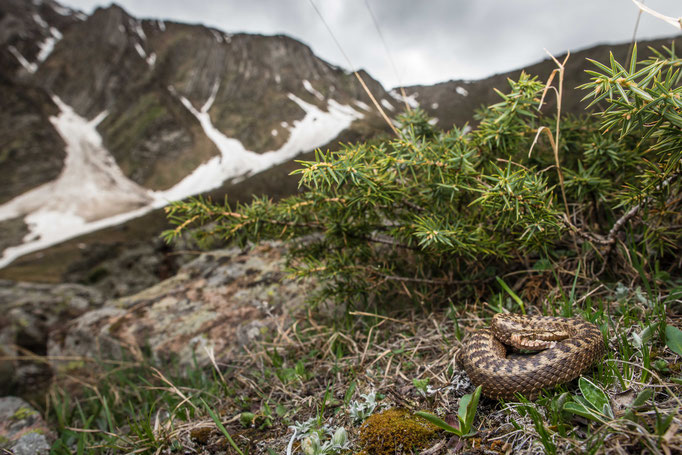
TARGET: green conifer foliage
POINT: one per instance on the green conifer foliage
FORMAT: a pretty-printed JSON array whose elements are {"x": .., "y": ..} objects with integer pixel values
[{"x": 425, "y": 213}]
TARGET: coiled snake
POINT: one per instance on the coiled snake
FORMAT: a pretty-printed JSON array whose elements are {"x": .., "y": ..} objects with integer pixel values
[{"x": 569, "y": 347}]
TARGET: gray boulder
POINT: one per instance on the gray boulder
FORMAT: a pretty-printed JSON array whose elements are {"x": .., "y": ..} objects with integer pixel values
[
  {"x": 22, "y": 430},
  {"x": 222, "y": 300},
  {"x": 28, "y": 312}
]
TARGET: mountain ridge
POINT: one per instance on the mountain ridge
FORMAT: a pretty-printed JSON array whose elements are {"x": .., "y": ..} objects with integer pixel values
[
  {"x": 466, "y": 96},
  {"x": 181, "y": 109},
  {"x": 185, "y": 109}
]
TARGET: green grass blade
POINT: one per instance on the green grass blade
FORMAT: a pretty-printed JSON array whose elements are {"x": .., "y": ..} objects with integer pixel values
[
  {"x": 222, "y": 428},
  {"x": 513, "y": 295}
]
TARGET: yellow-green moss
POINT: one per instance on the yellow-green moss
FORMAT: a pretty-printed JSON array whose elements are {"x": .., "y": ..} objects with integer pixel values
[
  {"x": 4, "y": 442},
  {"x": 23, "y": 413},
  {"x": 394, "y": 431}
]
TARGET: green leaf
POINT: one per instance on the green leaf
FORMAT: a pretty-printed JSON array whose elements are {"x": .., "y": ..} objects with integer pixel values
[
  {"x": 584, "y": 403},
  {"x": 470, "y": 405},
  {"x": 542, "y": 265},
  {"x": 247, "y": 418},
  {"x": 642, "y": 398},
  {"x": 462, "y": 412},
  {"x": 595, "y": 396},
  {"x": 600, "y": 66},
  {"x": 638, "y": 402},
  {"x": 662, "y": 423},
  {"x": 641, "y": 92},
  {"x": 437, "y": 421},
  {"x": 577, "y": 408},
  {"x": 646, "y": 334},
  {"x": 673, "y": 339},
  {"x": 633, "y": 59}
]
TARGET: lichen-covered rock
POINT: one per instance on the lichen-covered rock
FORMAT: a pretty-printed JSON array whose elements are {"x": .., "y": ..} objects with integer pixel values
[
  {"x": 86, "y": 337},
  {"x": 120, "y": 269},
  {"x": 22, "y": 430},
  {"x": 224, "y": 300},
  {"x": 28, "y": 312}
]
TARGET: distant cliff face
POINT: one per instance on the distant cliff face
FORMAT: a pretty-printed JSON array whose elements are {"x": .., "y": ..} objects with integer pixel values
[
  {"x": 139, "y": 71},
  {"x": 107, "y": 116},
  {"x": 31, "y": 151}
]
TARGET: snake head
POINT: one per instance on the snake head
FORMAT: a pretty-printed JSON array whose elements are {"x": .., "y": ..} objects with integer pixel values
[
  {"x": 531, "y": 334},
  {"x": 535, "y": 341}
]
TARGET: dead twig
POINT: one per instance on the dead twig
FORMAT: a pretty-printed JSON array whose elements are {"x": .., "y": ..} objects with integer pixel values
[{"x": 674, "y": 21}]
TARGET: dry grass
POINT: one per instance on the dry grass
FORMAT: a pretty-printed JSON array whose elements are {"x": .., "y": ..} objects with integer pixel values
[{"x": 315, "y": 366}]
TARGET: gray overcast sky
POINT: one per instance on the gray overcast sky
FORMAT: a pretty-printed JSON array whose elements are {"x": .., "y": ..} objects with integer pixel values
[{"x": 431, "y": 40}]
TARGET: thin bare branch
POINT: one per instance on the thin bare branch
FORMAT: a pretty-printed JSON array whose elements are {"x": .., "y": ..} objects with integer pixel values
[
  {"x": 674, "y": 21},
  {"x": 357, "y": 75}
]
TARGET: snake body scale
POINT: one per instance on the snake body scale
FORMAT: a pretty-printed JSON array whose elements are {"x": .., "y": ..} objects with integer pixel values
[{"x": 567, "y": 347}]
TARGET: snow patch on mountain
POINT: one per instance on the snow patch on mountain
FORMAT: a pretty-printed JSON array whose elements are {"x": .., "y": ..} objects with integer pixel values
[
  {"x": 90, "y": 193},
  {"x": 315, "y": 129},
  {"x": 309, "y": 87},
  {"x": 150, "y": 59},
  {"x": 235, "y": 162},
  {"x": 140, "y": 50},
  {"x": 217, "y": 35},
  {"x": 28, "y": 66},
  {"x": 211, "y": 98},
  {"x": 39, "y": 20},
  {"x": 61, "y": 10},
  {"x": 411, "y": 100},
  {"x": 387, "y": 105},
  {"x": 47, "y": 46},
  {"x": 362, "y": 105},
  {"x": 139, "y": 31},
  {"x": 234, "y": 159}
]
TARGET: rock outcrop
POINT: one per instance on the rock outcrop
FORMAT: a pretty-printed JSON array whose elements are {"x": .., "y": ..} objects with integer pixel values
[
  {"x": 22, "y": 430},
  {"x": 223, "y": 300},
  {"x": 28, "y": 313}
]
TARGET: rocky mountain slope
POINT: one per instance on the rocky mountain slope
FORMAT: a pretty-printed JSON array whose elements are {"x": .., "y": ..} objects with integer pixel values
[
  {"x": 118, "y": 116},
  {"x": 31, "y": 151},
  {"x": 454, "y": 102}
]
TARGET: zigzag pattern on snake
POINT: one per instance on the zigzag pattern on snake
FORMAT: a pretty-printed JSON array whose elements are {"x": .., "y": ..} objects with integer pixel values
[{"x": 571, "y": 345}]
